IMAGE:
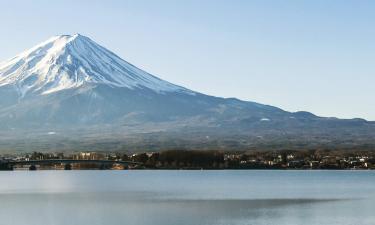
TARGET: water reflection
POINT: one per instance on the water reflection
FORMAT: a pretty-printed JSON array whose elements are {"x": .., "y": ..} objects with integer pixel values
[{"x": 170, "y": 197}]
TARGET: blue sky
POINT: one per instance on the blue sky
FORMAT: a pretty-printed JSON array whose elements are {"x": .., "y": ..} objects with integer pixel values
[{"x": 315, "y": 56}]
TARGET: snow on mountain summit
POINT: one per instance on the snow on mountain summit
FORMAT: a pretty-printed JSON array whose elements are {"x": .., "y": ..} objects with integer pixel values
[{"x": 70, "y": 61}]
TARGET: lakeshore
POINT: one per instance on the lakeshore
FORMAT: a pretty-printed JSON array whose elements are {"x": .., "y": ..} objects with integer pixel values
[{"x": 193, "y": 160}]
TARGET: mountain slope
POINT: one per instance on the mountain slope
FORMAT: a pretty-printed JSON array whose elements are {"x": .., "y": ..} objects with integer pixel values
[{"x": 69, "y": 83}]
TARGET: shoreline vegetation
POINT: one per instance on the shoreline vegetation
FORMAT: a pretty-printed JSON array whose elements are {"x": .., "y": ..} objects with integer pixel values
[{"x": 196, "y": 160}]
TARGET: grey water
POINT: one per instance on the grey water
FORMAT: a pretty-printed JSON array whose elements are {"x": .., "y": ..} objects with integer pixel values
[{"x": 187, "y": 197}]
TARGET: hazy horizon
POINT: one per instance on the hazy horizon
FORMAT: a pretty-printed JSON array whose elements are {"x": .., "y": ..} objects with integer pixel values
[{"x": 296, "y": 55}]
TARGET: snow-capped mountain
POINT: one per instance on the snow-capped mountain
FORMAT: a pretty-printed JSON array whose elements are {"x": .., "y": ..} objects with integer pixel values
[
  {"x": 70, "y": 61},
  {"x": 69, "y": 79},
  {"x": 72, "y": 88}
]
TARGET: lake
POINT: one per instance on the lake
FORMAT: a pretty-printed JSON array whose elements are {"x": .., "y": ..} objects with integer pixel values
[{"x": 187, "y": 197}]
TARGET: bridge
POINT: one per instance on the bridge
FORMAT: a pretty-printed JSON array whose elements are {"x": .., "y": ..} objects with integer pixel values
[{"x": 9, "y": 165}]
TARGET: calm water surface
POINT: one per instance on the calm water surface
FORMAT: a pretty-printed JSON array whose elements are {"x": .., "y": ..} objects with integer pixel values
[{"x": 187, "y": 197}]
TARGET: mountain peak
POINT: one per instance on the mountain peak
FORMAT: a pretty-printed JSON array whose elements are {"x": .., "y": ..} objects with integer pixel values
[
  {"x": 72, "y": 35},
  {"x": 71, "y": 61},
  {"x": 69, "y": 38}
]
